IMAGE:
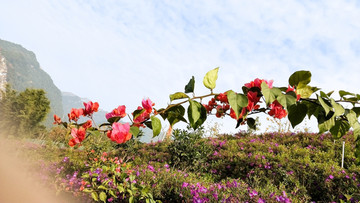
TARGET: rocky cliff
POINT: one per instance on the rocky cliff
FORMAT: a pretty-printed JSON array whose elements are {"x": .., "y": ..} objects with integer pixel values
[{"x": 20, "y": 68}]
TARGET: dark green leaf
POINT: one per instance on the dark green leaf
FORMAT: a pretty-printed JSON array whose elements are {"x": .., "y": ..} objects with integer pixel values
[
  {"x": 113, "y": 120},
  {"x": 300, "y": 77},
  {"x": 174, "y": 114},
  {"x": 148, "y": 124},
  {"x": 178, "y": 95},
  {"x": 326, "y": 125},
  {"x": 297, "y": 113},
  {"x": 326, "y": 107},
  {"x": 190, "y": 86},
  {"x": 340, "y": 128},
  {"x": 343, "y": 93},
  {"x": 356, "y": 110},
  {"x": 156, "y": 125},
  {"x": 196, "y": 113},
  {"x": 137, "y": 113},
  {"x": 210, "y": 79},
  {"x": 251, "y": 123}
]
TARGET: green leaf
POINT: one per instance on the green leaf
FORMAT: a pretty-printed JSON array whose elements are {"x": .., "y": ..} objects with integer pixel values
[
  {"x": 95, "y": 196},
  {"x": 210, "y": 79},
  {"x": 354, "y": 123},
  {"x": 326, "y": 107},
  {"x": 330, "y": 93},
  {"x": 326, "y": 125},
  {"x": 137, "y": 113},
  {"x": 134, "y": 131},
  {"x": 103, "y": 196},
  {"x": 340, "y": 128},
  {"x": 178, "y": 95},
  {"x": 156, "y": 125},
  {"x": 174, "y": 114},
  {"x": 113, "y": 119},
  {"x": 102, "y": 187},
  {"x": 356, "y": 110},
  {"x": 305, "y": 91},
  {"x": 286, "y": 100},
  {"x": 300, "y": 77},
  {"x": 237, "y": 101},
  {"x": 196, "y": 113},
  {"x": 251, "y": 123},
  {"x": 338, "y": 109},
  {"x": 297, "y": 113},
  {"x": 190, "y": 86},
  {"x": 131, "y": 199},
  {"x": 270, "y": 94},
  {"x": 94, "y": 132},
  {"x": 343, "y": 93}
]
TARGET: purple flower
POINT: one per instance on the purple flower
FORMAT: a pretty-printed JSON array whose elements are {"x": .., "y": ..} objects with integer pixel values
[
  {"x": 253, "y": 193},
  {"x": 151, "y": 168},
  {"x": 166, "y": 165},
  {"x": 66, "y": 159},
  {"x": 185, "y": 184},
  {"x": 331, "y": 177}
]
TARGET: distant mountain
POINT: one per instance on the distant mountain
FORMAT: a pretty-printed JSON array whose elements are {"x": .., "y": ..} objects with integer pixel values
[
  {"x": 71, "y": 100},
  {"x": 19, "y": 68}
]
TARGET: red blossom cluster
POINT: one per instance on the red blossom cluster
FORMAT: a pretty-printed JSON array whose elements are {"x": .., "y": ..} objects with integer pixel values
[
  {"x": 119, "y": 132},
  {"x": 146, "y": 109},
  {"x": 220, "y": 108},
  {"x": 221, "y": 103}
]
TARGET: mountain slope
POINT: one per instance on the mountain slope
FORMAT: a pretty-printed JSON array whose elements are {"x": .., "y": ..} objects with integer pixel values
[{"x": 20, "y": 68}]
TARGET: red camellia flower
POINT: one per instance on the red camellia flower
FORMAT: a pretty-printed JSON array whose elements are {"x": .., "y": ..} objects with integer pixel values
[
  {"x": 90, "y": 108},
  {"x": 78, "y": 136},
  {"x": 277, "y": 110},
  {"x": 147, "y": 104},
  {"x": 87, "y": 125},
  {"x": 75, "y": 114},
  {"x": 118, "y": 112},
  {"x": 119, "y": 133},
  {"x": 57, "y": 119}
]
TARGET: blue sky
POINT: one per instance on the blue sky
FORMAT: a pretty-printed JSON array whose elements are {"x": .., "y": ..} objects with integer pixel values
[{"x": 119, "y": 52}]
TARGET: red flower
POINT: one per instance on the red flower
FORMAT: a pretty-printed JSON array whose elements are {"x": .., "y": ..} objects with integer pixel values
[
  {"x": 222, "y": 97},
  {"x": 277, "y": 110},
  {"x": 141, "y": 118},
  {"x": 253, "y": 99},
  {"x": 257, "y": 83},
  {"x": 233, "y": 114},
  {"x": 87, "y": 125},
  {"x": 90, "y": 108},
  {"x": 57, "y": 119},
  {"x": 147, "y": 104},
  {"x": 75, "y": 114},
  {"x": 78, "y": 136},
  {"x": 292, "y": 89},
  {"x": 118, "y": 112},
  {"x": 119, "y": 133}
]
